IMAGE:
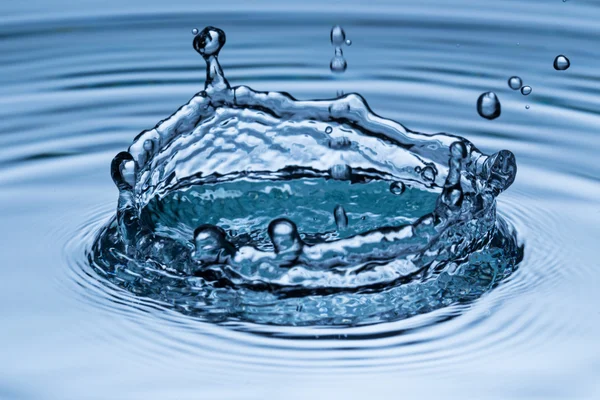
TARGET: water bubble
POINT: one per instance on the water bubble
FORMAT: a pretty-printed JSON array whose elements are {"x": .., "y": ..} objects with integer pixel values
[
  {"x": 348, "y": 42},
  {"x": 397, "y": 188},
  {"x": 561, "y": 63},
  {"x": 525, "y": 90},
  {"x": 195, "y": 31},
  {"x": 488, "y": 105},
  {"x": 328, "y": 129},
  {"x": 341, "y": 219},
  {"x": 338, "y": 64},
  {"x": 515, "y": 83},
  {"x": 337, "y": 35}
]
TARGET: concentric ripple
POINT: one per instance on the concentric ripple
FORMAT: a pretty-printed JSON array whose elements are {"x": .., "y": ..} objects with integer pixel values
[{"x": 255, "y": 206}]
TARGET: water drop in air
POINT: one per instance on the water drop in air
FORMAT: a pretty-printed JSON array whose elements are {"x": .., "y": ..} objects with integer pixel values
[
  {"x": 338, "y": 64},
  {"x": 525, "y": 90},
  {"x": 527, "y": 107},
  {"x": 561, "y": 63},
  {"x": 195, "y": 31},
  {"x": 488, "y": 105},
  {"x": 328, "y": 129},
  {"x": 515, "y": 83},
  {"x": 348, "y": 42},
  {"x": 337, "y": 35}
]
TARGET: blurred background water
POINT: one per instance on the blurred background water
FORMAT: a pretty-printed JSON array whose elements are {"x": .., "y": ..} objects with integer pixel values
[{"x": 81, "y": 78}]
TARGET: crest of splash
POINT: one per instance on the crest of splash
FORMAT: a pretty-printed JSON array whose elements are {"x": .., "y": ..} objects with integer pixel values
[{"x": 255, "y": 206}]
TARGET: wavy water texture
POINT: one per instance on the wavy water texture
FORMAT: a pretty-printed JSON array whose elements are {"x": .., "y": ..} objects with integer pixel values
[{"x": 223, "y": 211}]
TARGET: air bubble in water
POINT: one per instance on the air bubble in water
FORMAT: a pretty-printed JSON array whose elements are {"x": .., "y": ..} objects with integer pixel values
[
  {"x": 341, "y": 219},
  {"x": 525, "y": 90},
  {"x": 195, "y": 31},
  {"x": 561, "y": 63},
  {"x": 488, "y": 105},
  {"x": 397, "y": 188},
  {"x": 515, "y": 83},
  {"x": 337, "y": 35}
]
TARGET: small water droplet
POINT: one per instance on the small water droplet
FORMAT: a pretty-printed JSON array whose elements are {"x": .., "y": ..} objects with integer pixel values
[
  {"x": 527, "y": 107},
  {"x": 195, "y": 31},
  {"x": 348, "y": 42},
  {"x": 397, "y": 188},
  {"x": 328, "y": 129},
  {"x": 515, "y": 83},
  {"x": 428, "y": 174},
  {"x": 341, "y": 219},
  {"x": 525, "y": 90},
  {"x": 488, "y": 105},
  {"x": 338, "y": 64},
  {"x": 284, "y": 235},
  {"x": 341, "y": 172},
  {"x": 337, "y": 35},
  {"x": 561, "y": 63}
]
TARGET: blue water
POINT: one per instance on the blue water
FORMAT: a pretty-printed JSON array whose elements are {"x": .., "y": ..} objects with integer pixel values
[{"x": 80, "y": 81}]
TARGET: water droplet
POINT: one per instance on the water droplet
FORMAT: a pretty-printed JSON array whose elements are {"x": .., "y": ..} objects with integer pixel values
[
  {"x": 488, "y": 105},
  {"x": 211, "y": 243},
  {"x": 397, "y": 188},
  {"x": 515, "y": 83},
  {"x": 195, "y": 31},
  {"x": 561, "y": 63},
  {"x": 328, "y": 129},
  {"x": 284, "y": 235},
  {"x": 525, "y": 90},
  {"x": 209, "y": 42},
  {"x": 348, "y": 42},
  {"x": 337, "y": 35},
  {"x": 428, "y": 173},
  {"x": 341, "y": 172},
  {"x": 341, "y": 219},
  {"x": 338, "y": 64},
  {"x": 527, "y": 107}
]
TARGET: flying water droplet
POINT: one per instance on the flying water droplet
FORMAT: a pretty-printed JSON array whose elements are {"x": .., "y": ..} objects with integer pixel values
[
  {"x": 488, "y": 105},
  {"x": 341, "y": 219},
  {"x": 397, "y": 188},
  {"x": 328, "y": 129},
  {"x": 527, "y": 107},
  {"x": 195, "y": 31},
  {"x": 515, "y": 83},
  {"x": 525, "y": 90},
  {"x": 338, "y": 62},
  {"x": 348, "y": 42},
  {"x": 337, "y": 36},
  {"x": 561, "y": 63}
]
